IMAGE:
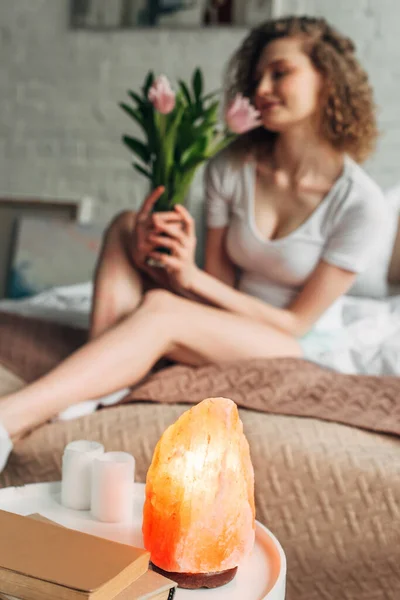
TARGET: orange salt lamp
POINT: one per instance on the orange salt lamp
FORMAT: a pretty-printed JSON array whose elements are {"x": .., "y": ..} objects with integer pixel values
[{"x": 198, "y": 517}]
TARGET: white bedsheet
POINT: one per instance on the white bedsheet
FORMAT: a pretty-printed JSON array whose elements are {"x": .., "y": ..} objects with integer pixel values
[
  {"x": 369, "y": 334},
  {"x": 69, "y": 305},
  {"x": 368, "y": 330}
]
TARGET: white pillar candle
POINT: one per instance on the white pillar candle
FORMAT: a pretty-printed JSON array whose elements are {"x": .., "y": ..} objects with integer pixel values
[
  {"x": 113, "y": 476},
  {"x": 76, "y": 479}
]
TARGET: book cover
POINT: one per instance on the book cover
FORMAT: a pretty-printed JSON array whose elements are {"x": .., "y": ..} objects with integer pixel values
[
  {"x": 150, "y": 586},
  {"x": 66, "y": 564}
]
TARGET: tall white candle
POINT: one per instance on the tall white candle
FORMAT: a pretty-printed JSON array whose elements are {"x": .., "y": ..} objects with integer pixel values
[
  {"x": 76, "y": 479},
  {"x": 113, "y": 476}
]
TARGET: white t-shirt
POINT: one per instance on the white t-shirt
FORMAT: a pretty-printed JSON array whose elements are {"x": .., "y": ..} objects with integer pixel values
[{"x": 345, "y": 229}]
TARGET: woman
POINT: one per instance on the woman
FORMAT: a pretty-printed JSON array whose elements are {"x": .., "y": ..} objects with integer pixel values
[{"x": 292, "y": 219}]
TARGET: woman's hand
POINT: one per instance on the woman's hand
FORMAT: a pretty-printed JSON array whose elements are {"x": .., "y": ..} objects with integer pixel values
[
  {"x": 140, "y": 245},
  {"x": 175, "y": 231}
]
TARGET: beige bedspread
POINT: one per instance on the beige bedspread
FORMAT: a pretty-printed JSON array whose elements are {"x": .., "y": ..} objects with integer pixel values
[{"x": 329, "y": 491}]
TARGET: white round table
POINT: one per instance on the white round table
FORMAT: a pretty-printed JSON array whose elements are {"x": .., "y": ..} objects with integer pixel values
[{"x": 261, "y": 576}]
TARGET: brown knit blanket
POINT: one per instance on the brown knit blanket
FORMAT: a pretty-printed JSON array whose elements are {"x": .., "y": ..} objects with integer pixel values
[{"x": 30, "y": 347}]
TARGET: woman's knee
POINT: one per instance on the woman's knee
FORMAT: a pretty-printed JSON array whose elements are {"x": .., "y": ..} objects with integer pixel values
[
  {"x": 170, "y": 307},
  {"x": 122, "y": 224},
  {"x": 159, "y": 299}
]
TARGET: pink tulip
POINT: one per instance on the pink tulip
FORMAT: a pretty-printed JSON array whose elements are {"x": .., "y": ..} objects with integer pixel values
[
  {"x": 241, "y": 116},
  {"x": 162, "y": 96}
]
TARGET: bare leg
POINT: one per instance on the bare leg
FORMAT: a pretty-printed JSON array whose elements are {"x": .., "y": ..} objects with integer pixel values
[
  {"x": 164, "y": 325},
  {"x": 118, "y": 286}
]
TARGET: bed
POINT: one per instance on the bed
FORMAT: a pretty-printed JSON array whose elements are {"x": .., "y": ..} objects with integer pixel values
[
  {"x": 325, "y": 445},
  {"x": 324, "y": 436}
]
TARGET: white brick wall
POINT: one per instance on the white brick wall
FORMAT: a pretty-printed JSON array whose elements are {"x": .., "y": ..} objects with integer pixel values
[
  {"x": 60, "y": 126},
  {"x": 374, "y": 26}
]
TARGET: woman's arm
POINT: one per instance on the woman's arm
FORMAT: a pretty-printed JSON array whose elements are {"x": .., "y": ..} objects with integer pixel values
[
  {"x": 347, "y": 252},
  {"x": 217, "y": 262},
  {"x": 325, "y": 285}
]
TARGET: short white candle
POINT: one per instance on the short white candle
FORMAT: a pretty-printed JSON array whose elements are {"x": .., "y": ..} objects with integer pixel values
[
  {"x": 77, "y": 473},
  {"x": 113, "y": 476}
]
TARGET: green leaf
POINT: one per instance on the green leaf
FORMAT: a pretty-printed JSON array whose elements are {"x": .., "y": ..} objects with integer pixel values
[
  {"x": 197, "y": 149},
  {"x": 185, "y": 92},
  {"x": 140, "y": 101},
  {"x": 134, "y": 113},
  {"x": 149, "y": 115},
  {"x": 189, "y": 133},
  {"x": 148, "y": 83},
  {"x": 184, "y": 139},
  {"x": 194, "y": 162},
  {"x": 170, "y": 137},
  {"x": 203, "y": 129},
  {"x": 211, "y": 113},
  {"x": 142, "y": 170},
  {"x": 197, "y": 83},
  {"x": 221, "y": 144},
  {"x": 137, "y": 147},
  {"x": 212, "y": 95},
  {"x": 183, "y": 181}
]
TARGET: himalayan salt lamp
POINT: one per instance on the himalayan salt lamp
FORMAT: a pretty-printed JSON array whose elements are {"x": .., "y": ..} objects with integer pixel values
[{"x": 199, "y": 517}]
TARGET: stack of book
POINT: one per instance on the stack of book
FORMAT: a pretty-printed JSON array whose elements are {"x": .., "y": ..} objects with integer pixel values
[{"x": 40, "y": 560}]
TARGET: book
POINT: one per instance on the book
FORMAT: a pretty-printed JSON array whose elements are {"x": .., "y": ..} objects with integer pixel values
[
  {"x": 150, "y": 586},
  {"x": 40, "y": 560}
]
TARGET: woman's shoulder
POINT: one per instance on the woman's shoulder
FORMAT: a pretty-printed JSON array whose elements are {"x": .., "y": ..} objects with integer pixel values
[
  {"x": 362, "y": 186},
  {"x": 359, "y": 196},
  {"x": 226, "y": 168},
  {"x": 358, "y": 204},
  {"x": 230, "y": 159},
  {"x": 362, "y": 181}
]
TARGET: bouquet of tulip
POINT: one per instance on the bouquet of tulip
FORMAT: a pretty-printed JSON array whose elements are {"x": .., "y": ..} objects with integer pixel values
[{"x": 181, "y": 131}]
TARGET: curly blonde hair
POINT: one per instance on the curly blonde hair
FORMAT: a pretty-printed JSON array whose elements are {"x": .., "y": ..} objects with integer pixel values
[{"x": 348, "y": 111}]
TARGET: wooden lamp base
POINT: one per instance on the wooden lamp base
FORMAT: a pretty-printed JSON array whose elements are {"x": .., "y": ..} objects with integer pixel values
[{"x": 194, "y": 581}]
